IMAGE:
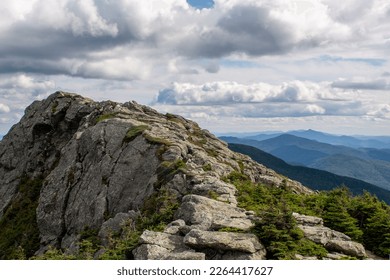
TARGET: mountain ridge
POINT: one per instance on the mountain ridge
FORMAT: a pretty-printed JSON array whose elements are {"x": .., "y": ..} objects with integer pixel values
[
  {"x": 81, "y": 179},
  {"x": 370, "y": 165},
  {"x": 313, "y": 178},
  {"x": 353, "y": 141}
]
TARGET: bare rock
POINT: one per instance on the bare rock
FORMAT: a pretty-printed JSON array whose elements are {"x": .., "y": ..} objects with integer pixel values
[
  {"x": 223, "y": 241},
  {"x": 335, "y": 256},
  {"x": 235, "y": 255},
  {"x": 308, "y": 220},
  {"x": 332, "y": 240},
  {"x": 114, "y": 226},
  {"x": 322, "y": 235},
  {"x": 175, "y": 227},
  {"x": 301, "y": 257},
  {"x": 160, "y": 246},
  {"x": 210, "y": 185},
  {"x": 155, "y": 252},
  {"x": 208, "y": 214},
  {"x": 350, "y": 248}
]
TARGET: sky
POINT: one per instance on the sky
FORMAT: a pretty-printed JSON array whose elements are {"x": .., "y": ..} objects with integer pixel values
[{"x": 230, "y": 65}]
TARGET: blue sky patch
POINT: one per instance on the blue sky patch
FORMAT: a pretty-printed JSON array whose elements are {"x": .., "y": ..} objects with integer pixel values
[
  {"x": 370, "y": 61},
  {"x": 200, "y": 4}
]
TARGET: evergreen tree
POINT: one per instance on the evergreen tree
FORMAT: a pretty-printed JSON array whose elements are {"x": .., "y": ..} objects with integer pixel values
[{"x": 337, "y": 217}]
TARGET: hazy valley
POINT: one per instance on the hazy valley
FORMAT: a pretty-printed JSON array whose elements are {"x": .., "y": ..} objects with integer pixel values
[{"x": 370, "y": 164}]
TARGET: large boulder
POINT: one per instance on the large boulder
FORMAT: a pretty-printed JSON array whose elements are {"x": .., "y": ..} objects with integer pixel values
[
  {"x": 308, "y": 220},
  {"x": 332, "y": 240},
  {"x": 208, "y": 214},
  {"x": 224, "y": 241},
  {"x": 350, "y": 248},
  {"x": 160, "y": 246}
]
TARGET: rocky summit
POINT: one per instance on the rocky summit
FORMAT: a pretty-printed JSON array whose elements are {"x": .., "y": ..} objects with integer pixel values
[{"x": 78, "y": 174}]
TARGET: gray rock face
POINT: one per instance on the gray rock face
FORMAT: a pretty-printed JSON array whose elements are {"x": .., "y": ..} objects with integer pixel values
[
  {"x": 208, "y": 214},
  {"x": 117, "y": 177},
  {"x": 308, "y": 220},
  {"x": 164, "y": 246},
  {"x": 322, "y": 235},
  {"x": 332, "y": 240},
  {"x": 114, "y": 226},
  {"x": 223, "y": 241},
  {"x": 347, "y": 247}
]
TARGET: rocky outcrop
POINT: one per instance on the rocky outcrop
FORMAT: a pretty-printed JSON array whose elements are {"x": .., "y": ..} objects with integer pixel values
[
  {"x": 77, "y": 168},
  {"x": 175, "y": 243},
  {"x": 164, "y": 246},
  {"x": 93, "y": 163},
  {"x": 332, "y": 240}
]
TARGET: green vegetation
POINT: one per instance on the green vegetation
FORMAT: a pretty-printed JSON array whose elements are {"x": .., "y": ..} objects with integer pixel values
[
  {"x": 156, "y": 140},
  {"x": 167, "y": 170},
  {"x": 105, "y": 117},
  {"x": 54, "y": 106},
  {"x": 364, "y": 218},
  {"x": 232, "y": 229},
  {"x": 156, "y": 213},
  {"x": 207, "y": 167},
  {"x": 278, "y": 231},
  {"x": 19, "y": 235},
  {"x": 158, "y": 210},
  {"x": 120, "y": 248},
  {"x": 212, "y": 153},
  {"x": 212, "y": 194},
  {"x": 174, "y": 118},
  {"x": 312, "y": 178},
  {"x": 133, "y": 132}
]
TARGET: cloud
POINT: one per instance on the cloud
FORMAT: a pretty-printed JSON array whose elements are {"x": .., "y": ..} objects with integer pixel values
[
  {"x": 212, "y": 67},
  {"x": 17, "y": 92},
  {"x": 258, "y": 28},
  {"x": 363, "y": 84},
  {"x": 64, "y": 36},
  {"x": 235, "y": 93},
  {"x": 262, "y": 100},
  {"x": 4, "y": 108},
  {"x": 24, "y": 83},
  {"x": 381, "y": 111},
  {"x": 143, "y": 46}
]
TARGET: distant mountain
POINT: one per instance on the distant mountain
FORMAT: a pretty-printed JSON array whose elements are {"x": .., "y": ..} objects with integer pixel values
[
  {"x": 381, "y": 154},
  {"x": 313, "y": 178},
  {"x": 370, "y": 165},
  {"x": 378, "y": 142},
  {"x": 297, "y": 150},
  {"x": 373, "y": 171}
]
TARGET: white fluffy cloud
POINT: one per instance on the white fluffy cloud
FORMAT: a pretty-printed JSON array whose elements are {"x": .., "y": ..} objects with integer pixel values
[
  {"x": 22, "y": 82},
  {"x": 17, "y": 92},
  {"x": 261, "y": 100},
  {"x": 64, "y": 36},
  {"x": 4, "y": 108},
  {"x": 232, "y": 92}
]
